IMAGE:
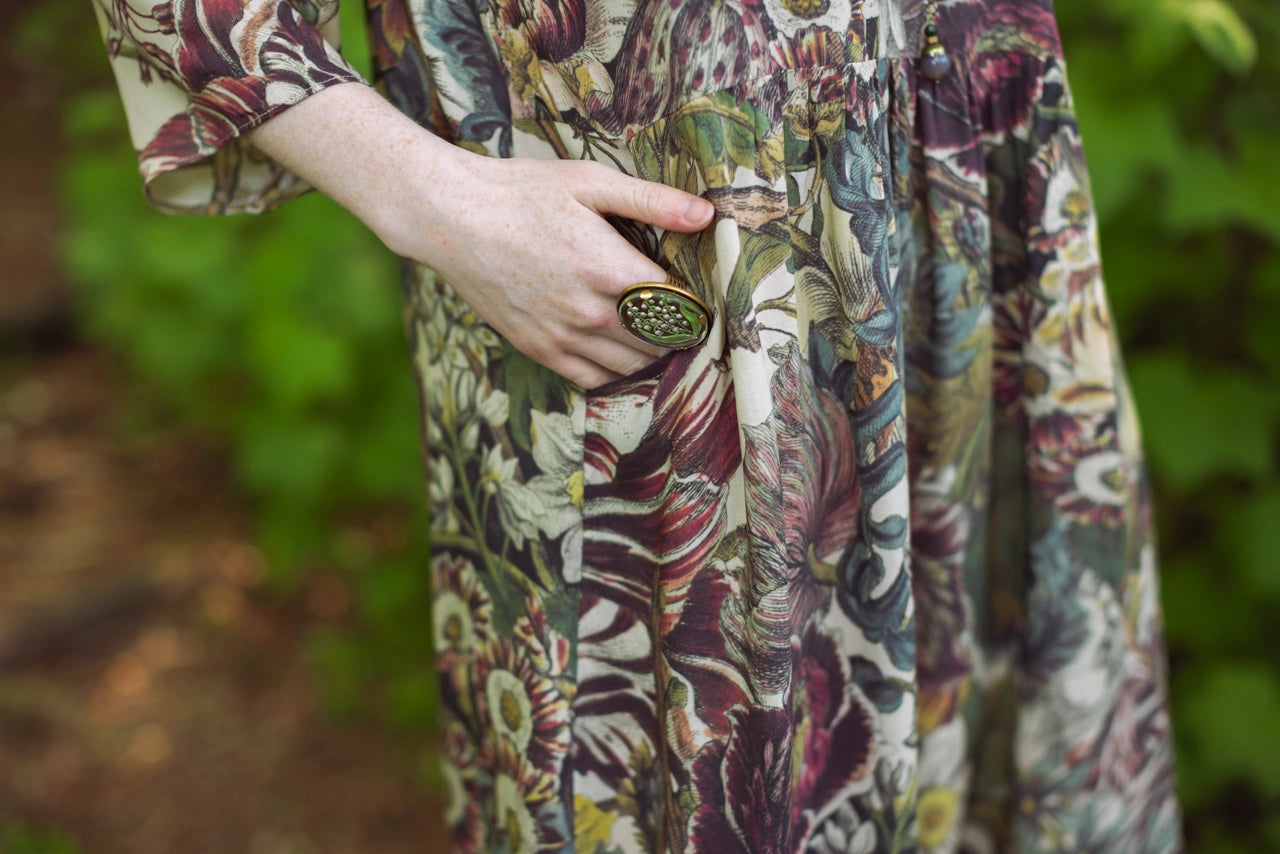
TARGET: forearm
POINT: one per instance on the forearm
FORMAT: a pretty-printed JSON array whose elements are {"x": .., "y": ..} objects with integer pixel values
[{"x": 355, "y": 147}]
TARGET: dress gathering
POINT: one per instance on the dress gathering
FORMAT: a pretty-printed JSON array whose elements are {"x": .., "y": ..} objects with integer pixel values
[{"x": 870, "y": 569}]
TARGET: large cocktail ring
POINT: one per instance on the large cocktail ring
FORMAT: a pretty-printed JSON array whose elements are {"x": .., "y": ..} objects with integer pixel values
[{"x": 665, "y": 314}]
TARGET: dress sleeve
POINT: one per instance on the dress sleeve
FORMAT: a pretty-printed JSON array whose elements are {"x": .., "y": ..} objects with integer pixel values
[{"x": 196, "y": 74}]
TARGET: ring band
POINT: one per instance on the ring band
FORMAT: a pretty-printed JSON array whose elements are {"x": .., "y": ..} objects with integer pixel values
[{"x": 665, "y": 314}]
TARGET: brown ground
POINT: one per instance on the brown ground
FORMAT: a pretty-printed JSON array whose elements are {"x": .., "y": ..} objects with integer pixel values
[
  {"x": 151, "y": 701},
  {"x": 152, "y": 698}
]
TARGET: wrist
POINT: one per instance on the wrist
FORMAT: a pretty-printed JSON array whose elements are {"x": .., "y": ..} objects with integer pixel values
[
  {"x": 351, "y": 144},
  {"x": 415, "y": 195}
]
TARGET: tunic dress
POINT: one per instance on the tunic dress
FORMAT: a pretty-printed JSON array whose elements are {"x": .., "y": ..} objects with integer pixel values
[{"x": 871, "y": 569}]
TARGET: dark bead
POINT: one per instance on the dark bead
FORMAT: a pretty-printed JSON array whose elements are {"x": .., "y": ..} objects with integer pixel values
[
  {"x": 935, "y": 66},
  {"x": 930, "y": 30}
]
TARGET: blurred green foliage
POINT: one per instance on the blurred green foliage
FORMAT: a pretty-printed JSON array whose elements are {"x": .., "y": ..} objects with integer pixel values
[
  {"x": 280, "y": 336},
  {"x": 1180, "y": 112},
  {"x": 18, "y": 837}
]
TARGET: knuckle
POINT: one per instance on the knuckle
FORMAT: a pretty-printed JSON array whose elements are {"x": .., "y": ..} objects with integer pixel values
[
  {"x": 602, "y": 317},
  {"x": 653, "y": 196},
  {"x": 542, "y": 352},
  {"x": 588, "y": 173}
]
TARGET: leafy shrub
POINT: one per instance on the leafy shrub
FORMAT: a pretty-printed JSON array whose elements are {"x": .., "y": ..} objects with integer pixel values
[
  {"x": 281, "y": 337},
  {"x": 1180, "y": 114}
]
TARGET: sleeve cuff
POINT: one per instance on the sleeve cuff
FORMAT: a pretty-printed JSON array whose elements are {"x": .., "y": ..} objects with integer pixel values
[{"x": 196, "y": 75}]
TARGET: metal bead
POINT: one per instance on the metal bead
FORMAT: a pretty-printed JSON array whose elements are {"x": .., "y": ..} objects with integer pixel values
[
  {"x": 934, "y": 62},
  {"x": 935, "y": 65}
]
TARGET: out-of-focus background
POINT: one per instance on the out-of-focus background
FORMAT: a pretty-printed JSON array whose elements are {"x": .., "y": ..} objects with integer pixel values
[{"x": 212, "y": 588}]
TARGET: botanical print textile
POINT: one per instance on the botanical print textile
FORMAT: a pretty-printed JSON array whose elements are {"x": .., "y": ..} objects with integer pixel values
[{"x": 870, "y": 570}]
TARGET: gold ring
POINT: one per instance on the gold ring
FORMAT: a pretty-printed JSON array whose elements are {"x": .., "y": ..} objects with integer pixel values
[{"x": 665, "y": 314}]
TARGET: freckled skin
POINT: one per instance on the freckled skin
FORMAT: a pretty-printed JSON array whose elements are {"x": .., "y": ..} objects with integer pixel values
[{"x": 523, "y": 241}]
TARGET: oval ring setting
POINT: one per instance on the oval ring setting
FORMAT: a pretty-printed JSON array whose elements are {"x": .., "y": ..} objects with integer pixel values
[{"x": 664, "y": 314}]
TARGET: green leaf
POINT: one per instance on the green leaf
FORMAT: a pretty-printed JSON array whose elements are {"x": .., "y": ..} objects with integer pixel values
[
  {"x": 298, "y": 362},
  {"x": 529, "y": 386},
  {"x": 1209, "y": 189},
  {"x": 1254, "y": 534},
  {"x": 1194, "y": 599},
  {"x": 385, "y": 459},
  {"x": 411, "y": 699},
  {"x": 1200, "y": 423},
  {"x": 394, "y": 593},
  {"x": 1229, "y": 717},
  {"x": 1258, "y": 154},
  {"x": 94, "y": 113},
  {"x": 1155, "y": 40},
  {"x": 1220, "y": 31},
  {"x": 1201, "y": 190},
  {"x": 286, "y": 459},
  {"x": 1126, "y": 141},
  {"x": 355, "y": 38}
]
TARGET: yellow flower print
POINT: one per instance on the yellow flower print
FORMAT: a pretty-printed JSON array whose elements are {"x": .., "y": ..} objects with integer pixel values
[
  {"x": 515, "y": 826},
  {"x": 936, "y": 814},
  {"x": 526, "y": 74},
  {"x": 793, "y": 16},
  {"x": 451, "y": 619},
  {"x": 828, "y": 117},
  {"x": 510, "y": 710},
  {"x": 806, "y": 8},
  {"x": 938, "y": 707},
  {"x": 772, "y": 157},
  {"x": 462, "y": 614},
  {"x": 576, "y": 487},
  {"x": 1076, "y": 207},
  {"x": 592, "y": 826},
  {"x": 583, "y": 82}
]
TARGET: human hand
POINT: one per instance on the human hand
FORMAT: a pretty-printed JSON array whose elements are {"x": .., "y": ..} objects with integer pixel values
[{"x": 525, "y": 243}]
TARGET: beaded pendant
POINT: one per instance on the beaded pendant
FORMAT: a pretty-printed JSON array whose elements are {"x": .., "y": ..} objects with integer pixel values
[{"x": 934, "y": 62}]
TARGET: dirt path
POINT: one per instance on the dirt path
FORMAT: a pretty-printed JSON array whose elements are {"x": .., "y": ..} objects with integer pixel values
[{"x": 152, "y": 699}]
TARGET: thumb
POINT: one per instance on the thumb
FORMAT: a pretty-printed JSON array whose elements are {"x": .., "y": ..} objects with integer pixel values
[{"x": 648, "y": 202}]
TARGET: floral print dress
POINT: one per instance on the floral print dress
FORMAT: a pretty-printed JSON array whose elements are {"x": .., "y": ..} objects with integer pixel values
[{"x": 871, "y": 569}]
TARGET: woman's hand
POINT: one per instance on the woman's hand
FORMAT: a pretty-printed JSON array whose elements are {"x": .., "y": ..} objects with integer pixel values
[{"x": 523, "y": 241}]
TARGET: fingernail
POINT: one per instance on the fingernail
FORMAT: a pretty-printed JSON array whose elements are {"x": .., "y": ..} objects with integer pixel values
[{"x": 698, "y": 210}]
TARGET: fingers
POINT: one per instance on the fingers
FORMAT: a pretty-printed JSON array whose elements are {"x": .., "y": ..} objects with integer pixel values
[
  {"x": 544, "y": 268},
  {"x": 582, "y": 341},
  {"x": 584, "y": 372},
  {"x": 646, "y": 201},
  {"x": 618, "y": 357},
  {"x": 620, "y": 350},
  {"x": 589, "y": 374}
]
